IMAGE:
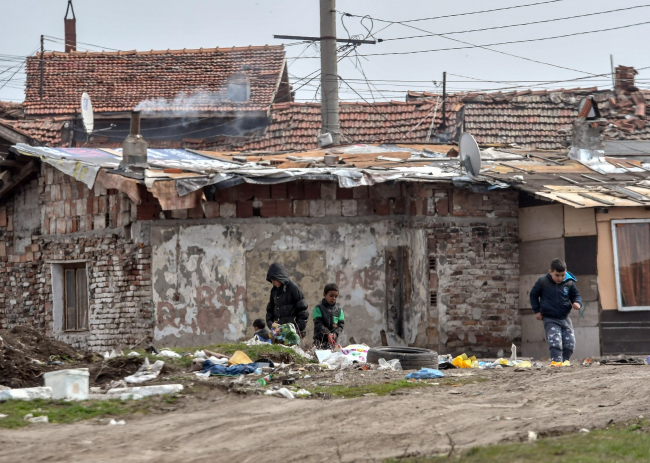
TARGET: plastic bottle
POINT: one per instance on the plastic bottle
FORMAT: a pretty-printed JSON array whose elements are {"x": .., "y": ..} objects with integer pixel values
[{"x": 264, "y": 381}]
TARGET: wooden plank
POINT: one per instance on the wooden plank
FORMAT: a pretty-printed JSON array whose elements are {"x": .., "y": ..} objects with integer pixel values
[
  {"x": 580, "y": 253},
  {"x": 586, "y": 316},
  {"x": 532, "y": 330},
  {"x": 579, "y": 222},
  {"x": 587, "y": 287},
  {"x": 19, "y": 177},
  {"x": 535, "y": 256},
  {"x": 541, "y": 222},
  {"x": 526, "y": 283}
]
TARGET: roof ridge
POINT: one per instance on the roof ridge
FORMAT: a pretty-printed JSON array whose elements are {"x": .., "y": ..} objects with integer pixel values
[{"x": 184, "y": 51}]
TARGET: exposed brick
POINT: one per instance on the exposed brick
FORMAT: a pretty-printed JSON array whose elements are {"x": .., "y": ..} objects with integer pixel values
[
  {"x": 401, "y": 206},
  {"x": 312, "y": 190},
  {"x": 244, "y": 209},
  {"x": 3, "y": 217},
  {"x": 364, "y": 207},
  {"x": 344, "y": 193},
  {"x": 301, "y": 208},
  {"x": 360, "y": 192},
  {"x": 269, "y": 208},
  {"x": 381, "y": 206},
  {"x": 179, "y": 214},
  {"x": 475, "y": 199},
  {"x": 279, "y": 191},
  {"x": 262, "y": 191},
  {"x": 328, "y": 190},
  {"x": 284, "y": 208},
  {"x": 385, "y": 190},
  {"x": 442, "y": 207},
  {"x": 296, "y": 189},
  {"x": 210, "y": 209}
]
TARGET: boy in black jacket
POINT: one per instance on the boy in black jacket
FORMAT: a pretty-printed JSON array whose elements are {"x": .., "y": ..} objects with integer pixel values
[
  {"x": 287, "y": 303},
  {"x": 552, "y": 298},
  {"x": 328, "y": 318}
]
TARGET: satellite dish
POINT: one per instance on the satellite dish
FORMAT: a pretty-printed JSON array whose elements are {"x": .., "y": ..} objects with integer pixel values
[
  {"x": 87, "y": 113},
  {"x": 470, "y": 154}
]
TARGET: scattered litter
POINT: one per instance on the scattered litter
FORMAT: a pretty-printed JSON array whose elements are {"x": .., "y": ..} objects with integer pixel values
[
  {"x": 2, "y": 415},
  {"x": 199, "y": 354},
  {"x": 337, "y": 361},
  {"x": 169, "y": 353},
  {"x": 532, "y": 436},
  {"x": 115, "y": 384},
  {"x": 339, "y": 377},
  {"x": 284, "y": 392},
  {"x": 234, "y": 370},
  {"x": 585, "y": 430},
  {"x": 301, "y": 352},
  {"x": 286, "y": 334},
  {"x": 239, "y": 358},
  {"x": 390, "y": 365},
  {"x": 133, "y": 354},
  {"x": 112, "y": 354},
  {"x": 513, "y": 354},
  {"x": 462, "y": 361},
  {"x": 116, "y": 423},
  {"x": 36, "y": 419},
  {"x": 146, "y": 372},
  {"x": 265, "y": 380},
  {"x": 586, "y": 363},
  {"x": 426, "y": 373},
  {"x": 307, "y": 376},
  {"x": 322, "y": 355},
  {"x": 455, "y": 392},
  {"x": 29, "y": 393},
  {"x": 358, "y": 352},
  {"x": 302, "y": 393}
]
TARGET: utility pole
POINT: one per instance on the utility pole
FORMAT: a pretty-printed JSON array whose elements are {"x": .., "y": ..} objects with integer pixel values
[
  {"x": 42, "y": 51},
  {"x": 444, "y": 101},
  {"x": 329, "y": 71}
]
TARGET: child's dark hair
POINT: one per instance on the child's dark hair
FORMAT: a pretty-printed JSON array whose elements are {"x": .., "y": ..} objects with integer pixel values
[
  {"x": 558, "y": 265},
  {"x": 259, "y": 324},
  {"x": 330, "y": 287}
]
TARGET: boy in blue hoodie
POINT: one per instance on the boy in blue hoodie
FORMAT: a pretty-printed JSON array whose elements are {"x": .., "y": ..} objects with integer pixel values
[{"x": 552, "y": 298}]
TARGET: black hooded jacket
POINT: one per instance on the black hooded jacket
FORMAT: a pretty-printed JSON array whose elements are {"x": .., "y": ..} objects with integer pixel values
[{"x": 287, "y": 303}]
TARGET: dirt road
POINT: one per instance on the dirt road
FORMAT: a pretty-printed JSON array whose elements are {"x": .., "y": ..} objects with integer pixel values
[{"x": 237, "y": 428}]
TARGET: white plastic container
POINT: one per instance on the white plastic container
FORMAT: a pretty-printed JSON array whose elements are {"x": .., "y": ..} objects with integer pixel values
[{"x": 68, "y": 384}]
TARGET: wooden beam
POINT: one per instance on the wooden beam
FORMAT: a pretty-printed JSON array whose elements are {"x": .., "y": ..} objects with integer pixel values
[
  {"x": 12, "y": 135},
  {"x": 19, "y": 177}
]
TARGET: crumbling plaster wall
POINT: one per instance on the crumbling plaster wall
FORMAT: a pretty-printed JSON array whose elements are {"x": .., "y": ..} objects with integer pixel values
[{"x": 200, "y": 283}]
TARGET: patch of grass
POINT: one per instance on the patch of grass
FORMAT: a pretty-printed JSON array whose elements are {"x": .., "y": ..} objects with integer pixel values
[
  {"x": 351, "y": 392},
  {"x": 67, "y": 412},
  {"x": 626, "y": 443}
]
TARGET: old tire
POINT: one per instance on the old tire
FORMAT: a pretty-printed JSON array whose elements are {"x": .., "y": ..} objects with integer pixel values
[{"x": 411, "y": 358}]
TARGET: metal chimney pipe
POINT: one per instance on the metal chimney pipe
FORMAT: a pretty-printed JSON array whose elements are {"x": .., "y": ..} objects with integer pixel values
[{"x": 135, "y": 122}]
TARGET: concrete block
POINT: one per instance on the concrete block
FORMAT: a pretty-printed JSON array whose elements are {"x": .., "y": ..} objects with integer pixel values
[
  {"x": 587, "y": 316},
  {"x": 317, "y": 208},
  {"x": 301, "y": 208},
  {"x": 364, "y": 207},
  {"x": 245, "y": 209},
  {"x": 279, "y": 191},
  {"x": 284, "y": 208},
  {"x": 179, "y": 214},
  {"x": 360, "y": 192},
  {"x": 579, "y": 222},
  {"x": 535, "y": 256},
  {"x": 526, "y": 283},
  {"x": 227, "y": 210},
  {"x": 541, "y": 222},
  {"x": 349, "y": 208},
  {"x": 210, "y": 209},
  {"x": 68, "y": 384},
  {"x": 332, "y": 208},
  {"x": 296, "y": 189},
  {"x": 344, "y": 193},
  {"x": 328, "y": 190},
  {"x": 532, "y": 330}
]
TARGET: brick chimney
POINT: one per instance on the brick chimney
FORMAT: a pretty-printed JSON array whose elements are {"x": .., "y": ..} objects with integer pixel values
[
  {"x": 70, "y": 29},
  {"x": 587, "y": 139},
  {"x": 625, "y": 78},
  {"x": 134, "y": 148}
]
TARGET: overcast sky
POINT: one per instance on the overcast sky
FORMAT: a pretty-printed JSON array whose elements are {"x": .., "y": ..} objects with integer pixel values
[{"x": 175, "y": 24}]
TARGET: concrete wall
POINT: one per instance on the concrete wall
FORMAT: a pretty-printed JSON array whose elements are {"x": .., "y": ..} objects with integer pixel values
[
  {"x": 209, "y": 279},
  {"x": 549, "y": 231}
]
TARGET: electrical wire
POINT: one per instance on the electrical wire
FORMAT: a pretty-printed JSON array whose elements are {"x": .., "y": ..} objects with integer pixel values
[{"x": 518, "y": 25}]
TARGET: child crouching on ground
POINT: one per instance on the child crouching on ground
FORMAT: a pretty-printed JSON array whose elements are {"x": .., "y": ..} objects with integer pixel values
[
  {"x": 552, "y": 298},
  {"x": 261, "y": 331},
  {"x": 328, "y": 319}
]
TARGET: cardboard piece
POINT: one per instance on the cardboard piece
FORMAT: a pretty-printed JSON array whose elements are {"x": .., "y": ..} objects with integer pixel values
[
  {"x": 541, "y": 222},
  {"x": 535, "y": 256},
  {"x": 579, "y": 222}
]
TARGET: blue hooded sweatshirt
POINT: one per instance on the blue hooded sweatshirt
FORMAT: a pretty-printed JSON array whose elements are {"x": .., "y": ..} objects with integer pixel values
[{"x": 554, "y": 300}]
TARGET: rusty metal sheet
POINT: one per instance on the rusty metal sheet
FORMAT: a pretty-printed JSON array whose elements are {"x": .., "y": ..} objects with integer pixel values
[{"x": 167, "y": 194}]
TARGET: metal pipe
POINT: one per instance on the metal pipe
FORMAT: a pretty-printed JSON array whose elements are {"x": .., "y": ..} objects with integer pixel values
[{"x": 135, "y": 122}]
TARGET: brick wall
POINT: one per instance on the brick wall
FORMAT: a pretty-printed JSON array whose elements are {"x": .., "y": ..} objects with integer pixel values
[
  {"x": 476, "y": 275},
  {"x": 77, "y": 224}
]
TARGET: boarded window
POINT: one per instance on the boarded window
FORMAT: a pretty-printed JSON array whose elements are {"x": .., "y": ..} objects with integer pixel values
[
  {"x": 75, "y": 298},
  {"x": 632, "y": 261}
]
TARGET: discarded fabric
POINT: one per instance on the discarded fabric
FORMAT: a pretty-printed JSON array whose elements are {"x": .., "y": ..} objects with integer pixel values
[
  {"x": 239, "y": 358},
  {"x": 284, "y": 392},
  {"x": 234, "y": 370},
  {"x": 169, "y": 353},
  {"x": 358, "y": 352},
  {"x": 337, "y": 361},
  {"x": 286, "y": 334},
  {"x": 146, "y": 372},
  {"x": 462, "y": 361},
  {"x": 390, "y": 365},
  {"x": 426, "y": 373}
]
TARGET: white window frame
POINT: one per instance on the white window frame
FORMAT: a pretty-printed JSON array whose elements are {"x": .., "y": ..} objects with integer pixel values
[{"x": 619, "y": 299}]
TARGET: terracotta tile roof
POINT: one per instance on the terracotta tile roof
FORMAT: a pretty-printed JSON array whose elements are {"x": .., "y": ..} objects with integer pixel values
[
  {"x": 9, "y": 110},
  {"x": 46, "y": 132},
  {"x": 118, "y": 81},
  {"x": 295, "y": 126}
]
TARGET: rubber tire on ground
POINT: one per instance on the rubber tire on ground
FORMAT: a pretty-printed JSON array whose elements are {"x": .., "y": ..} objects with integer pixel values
[{"x": 411, "y": 358}]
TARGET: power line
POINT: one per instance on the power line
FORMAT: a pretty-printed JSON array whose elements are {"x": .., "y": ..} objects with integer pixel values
[{"x": 518, "y": 25}]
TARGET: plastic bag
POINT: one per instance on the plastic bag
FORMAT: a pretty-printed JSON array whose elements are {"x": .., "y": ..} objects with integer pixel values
[
  {"x": 301, "y": 352},
  {"x": 426, "y": 373},
  {"x": 169, "y": 353},
  {"x": 390, "y": 365},
  {"x": 286, "y": 334},
  {"x": 337, "y": 361},
  {"x": 146, "y": 372},
  {"x": 462, "y": 361},
  {"x": 524, "y": 364},
  {"x": 239, "y": 358},
  {"x": 284, "y": 392}
]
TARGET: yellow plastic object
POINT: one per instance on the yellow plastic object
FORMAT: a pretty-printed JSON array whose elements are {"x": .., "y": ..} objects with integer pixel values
[
  {"x": 501, "y": 362},
  {"x": 524, "y": 364},
  {"x": 462, "y": 361},
  {"x": 239, "y": 358}
]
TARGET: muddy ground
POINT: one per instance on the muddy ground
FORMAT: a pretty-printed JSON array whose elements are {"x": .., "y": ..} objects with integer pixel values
[{"x": 215, "y": 423}]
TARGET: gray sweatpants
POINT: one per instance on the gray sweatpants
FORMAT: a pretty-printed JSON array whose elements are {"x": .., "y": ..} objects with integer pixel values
[{"x": 560, "y": 338}]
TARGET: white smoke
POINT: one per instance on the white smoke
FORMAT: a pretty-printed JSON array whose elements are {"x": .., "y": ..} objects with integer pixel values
[{"x": 182, "y": 103}]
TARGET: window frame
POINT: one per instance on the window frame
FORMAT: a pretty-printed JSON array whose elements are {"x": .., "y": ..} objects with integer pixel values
[
  {"x": 617, "y": 275},
  {"x": 76, "y": 266}
]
